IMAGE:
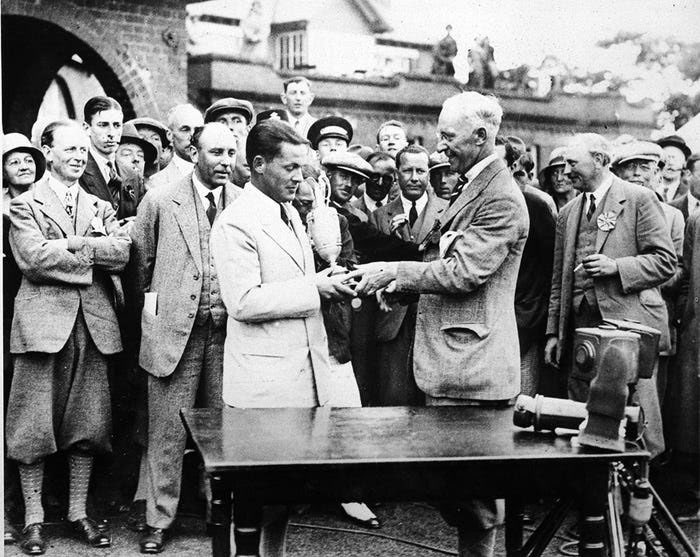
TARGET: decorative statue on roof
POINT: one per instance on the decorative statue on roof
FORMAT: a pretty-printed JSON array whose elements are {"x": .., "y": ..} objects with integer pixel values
[
  {"x": 483, "y": 71},
  {"x": 443, "y": 53}
]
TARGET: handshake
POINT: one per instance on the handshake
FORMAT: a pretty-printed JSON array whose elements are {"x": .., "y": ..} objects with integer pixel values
[{"x": 337, "y": 283}]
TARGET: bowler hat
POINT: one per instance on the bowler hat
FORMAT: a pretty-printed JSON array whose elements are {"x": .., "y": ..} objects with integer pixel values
[
  {"x": 229, "y": 104},
  {"x": 675, "y": 141},
  {"x": 350, "y": 162},
  {"x": 638, "y": 150},
  {"x": 330, "y": 126},
  {"x": 160, "y": 128},
  {"x": 131, "y": 135},
  {"x": 12, "y": 142},
  {"x": 272, "y": 114}
]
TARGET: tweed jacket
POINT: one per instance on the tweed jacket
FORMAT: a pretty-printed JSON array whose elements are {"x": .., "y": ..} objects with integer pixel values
[
  {"x": 166, "y": 260},
  {"x": 267, "y": 277},
  {"x": 681, "y": 203},
  {"x": 56, "y": 282},
  {"x": 641, "y": 246},
  {"x": 169, "y": 175},
  {"x": 388, "y": 324},
  {"x": 466, "y": 343}
]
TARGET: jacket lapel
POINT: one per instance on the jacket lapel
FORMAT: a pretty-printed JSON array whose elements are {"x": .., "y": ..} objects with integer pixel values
[
  {"x": 426, "y": 221},
  {"x": 283, "y": 236},
  {"x": 471, "y": 191},
  {"x": 393, "y": 209},
  {"x": 186, "y": 216},
  {"x": 86, "y": 210},
  {"x": 95, "y": 184},
  {"x": 52, "y": 207},
  {"x": 613, "y": 206},
  {"x": 571, "y": 232}
]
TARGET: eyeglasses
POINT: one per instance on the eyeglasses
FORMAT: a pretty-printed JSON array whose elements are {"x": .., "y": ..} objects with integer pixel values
[
  {"x": 385, "y": 181},
  {"x": 634, "y": 165}
]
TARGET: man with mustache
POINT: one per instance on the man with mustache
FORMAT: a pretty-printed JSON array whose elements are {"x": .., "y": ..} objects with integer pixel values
[
  {"x": 175, "y": 286},
  {"x": 612, "y": 251},
  {"x": 65, "y": 242}
]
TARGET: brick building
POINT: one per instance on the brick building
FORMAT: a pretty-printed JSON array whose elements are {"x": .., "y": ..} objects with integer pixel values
[{"x": 133, "y": 50}]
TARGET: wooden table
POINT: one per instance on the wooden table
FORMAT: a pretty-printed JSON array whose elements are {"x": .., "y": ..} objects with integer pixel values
[{"x": 305, "y": 455}]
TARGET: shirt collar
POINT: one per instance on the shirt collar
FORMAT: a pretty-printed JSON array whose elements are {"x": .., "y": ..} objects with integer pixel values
[
  {"x": 268, "y": 204},
  {"x": 182, "y": 165},
  {"x": 421, "y": 202},
  {"x": 602, "y": 190},
  {"x": 693, "y": 203},
  {"x": 60, "y": 189},
  {"x": 371, "y": 203},
  {"x": 475, "y": 170},
  {"x": 203, "y": 191},
  {"x": 102, "y": 162}
]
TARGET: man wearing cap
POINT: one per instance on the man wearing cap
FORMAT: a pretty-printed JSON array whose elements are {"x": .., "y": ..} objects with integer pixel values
[
  {"x": 677, "y": 153},
  {"x": 297, "y": 98},
  {"x": 346, "y": 171},
  {"x": 689, "y": 204},
  {"x": 183, "y": 119},
  {"x": 377, "y": 188},
  {"x": 639, "y": 162},
  {"x": 182, "y": 316},
  {"x": 103, "y": 122},
  {"x": 411, "y": 216},
  {"x": 442, "y": 179},
  {"x": 331, "y": 134},
  {"x": 554, "y": 181},
  {"x": 612, "y": 252},
  {"x": 157, "y": 134},
  {"x": 65, "y": 241},
  {"x": 235, "y": 114}
]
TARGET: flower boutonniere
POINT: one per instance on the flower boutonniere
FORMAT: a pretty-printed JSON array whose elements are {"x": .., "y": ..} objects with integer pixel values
[
  {"x": 606, "y": 221},
  {"x": 98, "y": 227}
]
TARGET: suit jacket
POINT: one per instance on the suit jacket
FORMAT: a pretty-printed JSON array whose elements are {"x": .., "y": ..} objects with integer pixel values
[
  {"x": 94, "y": 183},
  {"x": 304, "y": 124},
  {"x": 466, "y": 343},
  {"x": 131, "y": 189},
  {"x": 641, "y": 246},
  {"x": 267, "y": 279},
  {"x": 670, "y": 289},
  {"x": 56, "y": 282},
  {"x": 166, "y": 259},
  {"x": 169, "y": 175},
  {"x": 388, "y": 323},
  {"x": 681, "y": 203}
]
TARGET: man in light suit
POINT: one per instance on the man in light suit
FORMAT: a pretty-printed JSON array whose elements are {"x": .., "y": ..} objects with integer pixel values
[
  {"x": 65, "y": 242},
  {"x": 182, "y": 121},
  {"x": 297, "y": 98},
  {"x": 612, "y": 251},
  {"x": 183, "y": 318},
  {"x": 466, "y": 344},
  {"x": 276, "y": 350},
  {"x": 411, "y": 216}
]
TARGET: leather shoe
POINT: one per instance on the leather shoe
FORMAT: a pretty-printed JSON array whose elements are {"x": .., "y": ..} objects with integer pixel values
[
  {"x": 371, "y": 523},
  {"x": 153, "y": 541},
  {"x": 33, "y": 540},
  {"x": 87, "y": 529},
  {"x": 10, "y": 533}
]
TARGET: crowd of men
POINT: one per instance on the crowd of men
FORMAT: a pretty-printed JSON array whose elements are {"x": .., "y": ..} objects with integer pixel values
[{"x": 153, "y": 266}]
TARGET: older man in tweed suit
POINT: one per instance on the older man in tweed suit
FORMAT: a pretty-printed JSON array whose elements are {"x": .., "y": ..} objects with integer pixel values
[{"x": 466, "y": 345}]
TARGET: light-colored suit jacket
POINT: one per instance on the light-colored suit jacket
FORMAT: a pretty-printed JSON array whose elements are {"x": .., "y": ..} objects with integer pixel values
[
  {"x": 388, "y": 324},
  {"x": 466, "y": 342},
  {"x": 267, "y": 279},
  {"x": 169, "y": 175},
  {"x": 166, "y": 259},
  {"x": 57, "y": 282},
  {"x": 641, "y": 246}
]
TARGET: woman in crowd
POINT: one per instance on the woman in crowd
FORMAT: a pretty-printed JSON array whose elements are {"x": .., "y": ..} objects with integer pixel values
[{"x": 554, "y": 181}]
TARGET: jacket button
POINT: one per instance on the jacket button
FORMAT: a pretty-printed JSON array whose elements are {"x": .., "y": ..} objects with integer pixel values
[
  {"x": 193, "y": 297},
  {"x": 190, "y": 314},
  {"x": 195, "y": 277}
]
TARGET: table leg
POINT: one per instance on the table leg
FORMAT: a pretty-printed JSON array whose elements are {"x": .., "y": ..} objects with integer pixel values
[
  {"x": 593, "y": 503},
  {"x": 220, "y": 516},
  {"x": 514, "y": 526},
  {"x": 247, "y": 520}
]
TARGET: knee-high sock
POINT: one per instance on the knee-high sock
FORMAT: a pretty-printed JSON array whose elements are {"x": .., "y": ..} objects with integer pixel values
[
  {"x": 80, "y": 468},
  {"x": 31, "y": 477}
]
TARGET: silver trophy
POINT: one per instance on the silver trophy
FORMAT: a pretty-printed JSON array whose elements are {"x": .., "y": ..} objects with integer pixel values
[{"x": 323, "y": 225}]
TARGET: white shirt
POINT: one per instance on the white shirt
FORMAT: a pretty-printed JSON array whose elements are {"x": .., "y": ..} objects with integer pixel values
[
  {"x": 102, "y": 163},
  {"x": 693, "y": 204},
  {"x": 597, "y": 194},
  {"x": 183, "y": 166},
  {"x": 372, "y": 204},
  {"x": 302, "y": 124},
  {"x": 421, "y": 202},
  {"x": 474, "y": 171},
  {"x": 203, "y": 191},
  {"x": 60, "y": 189}
]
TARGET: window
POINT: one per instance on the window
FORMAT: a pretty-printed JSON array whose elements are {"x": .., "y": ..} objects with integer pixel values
[{"x": 292, "y": 50}]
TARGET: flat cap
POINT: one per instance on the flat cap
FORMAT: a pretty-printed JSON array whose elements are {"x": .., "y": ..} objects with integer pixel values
[
  {"x": 675, "y": 141},
  {"x": 229, "y": 104},
  {"x": 437, "y": 161},
  {"x": 159, "y": 127},
  {"x": 330, "y": 126},
  {"x": 272, "y": 114},
  {"x": 12, "y": 142},
  {"x": 350, "y": 162},
  {"x": 131, "y": 135},
  {"x": 638, "y": 150}
]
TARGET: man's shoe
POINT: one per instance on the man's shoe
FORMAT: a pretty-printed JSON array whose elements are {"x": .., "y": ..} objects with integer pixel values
[
  {"x": 10, "y": 533},
  {"x": 371, "y": 523},
  {"x": 88, "y": 530},
  {"x": 136, "y": 521},
  {"x": 33, "y": 540},
  {"x": 153, "y": 541}
]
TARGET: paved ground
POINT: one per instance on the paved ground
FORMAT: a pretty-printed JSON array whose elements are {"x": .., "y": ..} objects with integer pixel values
[{"x": 409, "y": 530}]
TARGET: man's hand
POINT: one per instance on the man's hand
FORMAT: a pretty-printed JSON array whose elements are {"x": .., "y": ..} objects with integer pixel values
[
  {"x": 334, "y": 286},
  {"x": 374, "y": 276},
  {"x": 551, "y": 351},
  {"x": 398, "y": 221},
  {"x": 599, "y": 265}
]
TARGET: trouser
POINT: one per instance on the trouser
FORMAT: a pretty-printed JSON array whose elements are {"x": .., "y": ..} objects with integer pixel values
[{"x": 195, "y": 382}]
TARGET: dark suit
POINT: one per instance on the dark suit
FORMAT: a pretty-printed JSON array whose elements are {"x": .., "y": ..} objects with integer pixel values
[
  {"x": 123, "y": 193},
  {"x": 681, "y": 203},
  {"x": 396, "y": 329}
]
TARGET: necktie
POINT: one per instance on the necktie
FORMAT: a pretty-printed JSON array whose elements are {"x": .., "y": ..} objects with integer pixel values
[
  {"x": 412, "y": 214},
  {"x": 591, "y": 207},
  {"x": 211, "y": 210},
  {"x": 461, "y": 182},
  {"x": 68, "y": 204},
  {"x": 285, "y": 217},
  {"x": 112, "y": 171},
  {"x": 297, "y": 124}
]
